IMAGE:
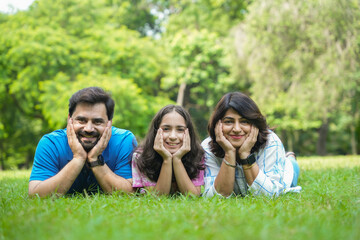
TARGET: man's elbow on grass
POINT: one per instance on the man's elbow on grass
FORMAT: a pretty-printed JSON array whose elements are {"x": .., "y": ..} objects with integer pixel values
[{"x": 35, "y": 191}]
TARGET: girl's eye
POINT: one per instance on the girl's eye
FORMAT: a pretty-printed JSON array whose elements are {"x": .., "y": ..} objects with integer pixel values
[
  {"x": 181, "y": 129},
  {"x": 228, "y": 122},
  {"x": 244, "y": 122},
  {"x": 166, "y": 129}
]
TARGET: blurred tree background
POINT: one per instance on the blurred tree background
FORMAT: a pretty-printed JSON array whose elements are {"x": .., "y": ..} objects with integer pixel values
[{"x": 299, "y": 60}]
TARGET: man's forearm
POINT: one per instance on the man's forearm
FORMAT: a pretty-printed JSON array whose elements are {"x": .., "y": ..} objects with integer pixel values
[
  {"x": 58, "y": 184},
  {"x": 109, "y": 181}
]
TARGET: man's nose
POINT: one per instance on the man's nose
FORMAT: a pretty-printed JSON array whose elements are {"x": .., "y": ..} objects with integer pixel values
[{"x": 89, "y": 127}]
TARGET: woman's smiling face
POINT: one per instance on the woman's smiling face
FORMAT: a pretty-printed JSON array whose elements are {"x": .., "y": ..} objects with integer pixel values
[{"x": 235, "y": 128}]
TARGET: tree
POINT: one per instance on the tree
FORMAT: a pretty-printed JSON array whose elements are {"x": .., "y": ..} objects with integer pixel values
[
  {"x": 54, "y": 49},
  {"x": 301, "y": 61}
]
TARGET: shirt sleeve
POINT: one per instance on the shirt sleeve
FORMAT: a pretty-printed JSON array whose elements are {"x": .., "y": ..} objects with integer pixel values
[
  {"x": 125, "y": 150},
  {"x": 271, "y": 161},
  {"x": 212, "y": 168},
  {"x": 45, "y": 161},
  {"x": 199, "y": 180},
  {"x": 139, "y": 179}
]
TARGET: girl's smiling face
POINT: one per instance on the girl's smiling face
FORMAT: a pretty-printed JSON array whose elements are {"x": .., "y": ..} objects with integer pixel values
[{"x": 173, "y": 126}]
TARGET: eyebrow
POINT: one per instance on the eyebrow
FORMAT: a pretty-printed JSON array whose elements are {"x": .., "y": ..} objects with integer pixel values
[
  {"x": 166, "y": 125},
  {"x": 231, "y": 118},
  {"x": 93, "y": 119}
]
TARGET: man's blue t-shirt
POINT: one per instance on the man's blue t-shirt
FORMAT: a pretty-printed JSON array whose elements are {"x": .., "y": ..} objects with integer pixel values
[{"x": 53, "y": 153}]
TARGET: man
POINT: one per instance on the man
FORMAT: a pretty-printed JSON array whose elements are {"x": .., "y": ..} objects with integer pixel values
[{"x": 88, "y": 154}]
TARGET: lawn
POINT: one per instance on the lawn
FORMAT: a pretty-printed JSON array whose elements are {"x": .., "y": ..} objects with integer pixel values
[{"x": 327, "y": 208}]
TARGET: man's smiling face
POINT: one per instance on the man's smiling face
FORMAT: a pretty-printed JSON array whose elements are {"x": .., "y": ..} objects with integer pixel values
[{"x": 89, "y": 123}]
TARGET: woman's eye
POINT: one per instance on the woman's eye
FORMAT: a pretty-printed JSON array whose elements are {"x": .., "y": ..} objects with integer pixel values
[
  {"x": 166, "y": 129},
  {"x": 227, "y": 122},
  {"x": 181, "y": 129},
  {"x": 244, "y": 122}
]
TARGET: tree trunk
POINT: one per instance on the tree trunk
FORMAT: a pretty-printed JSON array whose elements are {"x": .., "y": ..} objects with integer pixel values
[
  {"x": 181, "y": 94},
  {"x": 321, "y": 144},
  {"x": 353, "y": 140}
]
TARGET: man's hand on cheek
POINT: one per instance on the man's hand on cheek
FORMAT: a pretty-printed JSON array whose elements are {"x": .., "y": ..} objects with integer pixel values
[
  {"x": 101, "y": 144},
  {"x": 76, "y": 147}
]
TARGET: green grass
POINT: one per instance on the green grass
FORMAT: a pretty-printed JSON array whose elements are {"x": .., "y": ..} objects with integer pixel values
[{"x": 327, "y": 208}]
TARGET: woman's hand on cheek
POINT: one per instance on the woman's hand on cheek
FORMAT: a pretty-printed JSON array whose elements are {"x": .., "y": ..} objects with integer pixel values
[
  {"x": 249, "y": 142},
  {"x": 185, "y": 148},
  {"x": 159, "y": 145},
  {"x": 221, "y": 139}
]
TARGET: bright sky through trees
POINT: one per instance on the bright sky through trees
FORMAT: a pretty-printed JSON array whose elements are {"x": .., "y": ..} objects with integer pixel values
[{"x": 10, "y": 6}]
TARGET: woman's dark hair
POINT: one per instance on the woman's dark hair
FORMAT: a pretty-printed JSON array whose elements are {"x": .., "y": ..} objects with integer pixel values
[
  {"x": 149, "y": 162},
  {"x": 247, "y": 109},
  {"x": 92, "y": 95}
]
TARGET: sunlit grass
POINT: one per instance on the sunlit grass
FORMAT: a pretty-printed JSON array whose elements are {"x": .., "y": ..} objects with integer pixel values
[{"x": 327, "y": 208}]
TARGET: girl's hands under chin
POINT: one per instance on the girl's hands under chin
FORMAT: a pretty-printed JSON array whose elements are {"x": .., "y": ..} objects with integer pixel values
[
  {"x": 159, "y": 145},
  {"x": 185, "y": 148},
  {"x": 221, "y": 139},
  {"x": 249, "y": 143}
]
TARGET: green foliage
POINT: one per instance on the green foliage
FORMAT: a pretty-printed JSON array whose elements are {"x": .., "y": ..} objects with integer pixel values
[
  {"x": 298, "y": 60},
  {"x": 320, "y": 211},
  {"x": 301, "y": 59},
  {"x": 55, "y": 49}
]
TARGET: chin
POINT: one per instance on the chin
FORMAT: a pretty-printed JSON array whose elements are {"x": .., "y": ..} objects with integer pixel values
[
  {"x": 172, "y": 151},
  {"x": 236, "y": 145},
  {"x": 87, "y": 147}
]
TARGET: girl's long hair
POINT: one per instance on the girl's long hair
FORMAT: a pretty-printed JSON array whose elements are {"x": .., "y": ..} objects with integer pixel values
[
  {"x": 150, "y": 162},
  {"x": 246, "y": 108}
]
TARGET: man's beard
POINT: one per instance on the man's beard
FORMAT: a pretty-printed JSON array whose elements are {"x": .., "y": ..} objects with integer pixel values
[{"x": 88, "y": 146}]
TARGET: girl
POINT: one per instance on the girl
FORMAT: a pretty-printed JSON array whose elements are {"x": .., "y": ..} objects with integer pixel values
[
  {"x": 170, "y": 160},
  {"x": 242, "y": 154}
]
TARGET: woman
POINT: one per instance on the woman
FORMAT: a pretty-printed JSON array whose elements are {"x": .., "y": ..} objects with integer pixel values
[
  {"x": 243, "y": 155},
  {"x": 171, "y": 158}
]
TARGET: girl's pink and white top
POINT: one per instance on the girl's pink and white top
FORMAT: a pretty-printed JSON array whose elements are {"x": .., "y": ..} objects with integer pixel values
[{"x": 140, "y": 180}]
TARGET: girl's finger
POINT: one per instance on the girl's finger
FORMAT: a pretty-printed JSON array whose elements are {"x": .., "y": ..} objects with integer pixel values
[{"x": 187, "y": 138}]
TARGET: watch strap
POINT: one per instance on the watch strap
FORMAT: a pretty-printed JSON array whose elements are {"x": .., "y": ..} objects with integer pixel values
[
  {"x": 99, "y": 162},
  {"x": 247, "y": 161}
]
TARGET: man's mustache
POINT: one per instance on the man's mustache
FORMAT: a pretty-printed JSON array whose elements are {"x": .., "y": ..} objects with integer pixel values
[{"x": 88, "y": 134}]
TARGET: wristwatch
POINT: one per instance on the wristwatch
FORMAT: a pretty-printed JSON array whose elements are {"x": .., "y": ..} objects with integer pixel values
[
  {"x": 247, "y": 161},
  {"x": 99, "y": 162}
]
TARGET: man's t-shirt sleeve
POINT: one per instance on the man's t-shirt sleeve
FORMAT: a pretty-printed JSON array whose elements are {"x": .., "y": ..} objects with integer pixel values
[
  {"x": 45, "y": 161},
  {"x": 125, "y": 150}
]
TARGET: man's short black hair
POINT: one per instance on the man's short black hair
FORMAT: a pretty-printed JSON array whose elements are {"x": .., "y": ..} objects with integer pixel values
[{"x": 92, "y": 95}]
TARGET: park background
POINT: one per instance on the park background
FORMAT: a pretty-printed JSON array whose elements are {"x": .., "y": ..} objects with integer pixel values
[{"x": 299, "y": 60}]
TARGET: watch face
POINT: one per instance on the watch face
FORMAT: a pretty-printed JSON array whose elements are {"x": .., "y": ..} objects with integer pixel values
[
  {"x": 101, "y": 160},
  {"x": 251, "y": 159}
]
